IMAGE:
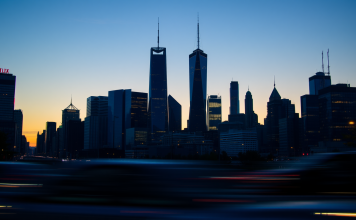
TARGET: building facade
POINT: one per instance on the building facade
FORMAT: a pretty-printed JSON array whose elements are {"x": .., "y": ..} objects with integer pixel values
[
  {"x": 157, "y": 96},
  {"x": 126, "y": 109},
  {"x": 7, "y": 103},
  {"x": 310, "y": 122},
  {"x": 175, "y": 115},
  {"x": 18, "y": 118},
  {"x": 71, "y": 113},
  {"x": 7, "y": 96},
  {"x": 235, "y": 141},
  {"x": 289, "y": 136},
  {"x": 277, "y": 109},
  {"x": 337, "y": 114},
  {"x": 234, "y": 98},
  {"x": 96, "y": 122},
  {"x": 50, "y": 139},
  {"x": 214, "y": 112},
  {"x": 251, "y": 117},
  {"x": 75, "y": 138},
  {"x": 317, "y": 82},
  {"x": 40, "y": 143},
  {"x": 136, "y": 137},
  {"x": 198, "y": 62}
]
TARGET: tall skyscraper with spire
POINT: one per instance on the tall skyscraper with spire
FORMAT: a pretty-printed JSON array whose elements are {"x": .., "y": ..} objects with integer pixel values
[
  {"x": 197, "y": 86},
  {"x": 157, "y": 100}
]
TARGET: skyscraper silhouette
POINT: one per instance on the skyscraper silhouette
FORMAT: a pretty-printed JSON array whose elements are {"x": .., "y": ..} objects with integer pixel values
[
  {"x": 317, "y": 82},
  {"x": 71, "y": 113},
  {"x": 157, "y": 100},
  {"x": 277, "y": 108},
  {"x": 234, "y": 98},
  {"x": 175, "y": 114},
  {"x": 126, "y": 109},
  {"x": 18, "y": 118},
  {"x": 7, "y": 103},
  {"x": 251, "y": 117},
  {"x": 197, "y": 86},
  {"x": 50, "y": 138},
  {"x": 7, "y": 96},
  {"x": 96, "y": 122}
]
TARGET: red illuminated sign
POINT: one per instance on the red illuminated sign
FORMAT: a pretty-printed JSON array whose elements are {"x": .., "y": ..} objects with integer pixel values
[{"x": 4, "y": 70}]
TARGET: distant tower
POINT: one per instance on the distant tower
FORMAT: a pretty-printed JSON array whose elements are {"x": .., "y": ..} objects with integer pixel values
[
  {"x": 7, "y": 96},
  {"x": 251, "y": 117},
  {"x": 234, "y": 98},
  {"x": 319, "y": 80},
  {"x": 197, "y": 86},
  {"x": 96, "y": 122},
  {"x": 126, "y": 109},
  {"x": 7, "y": 104},
  {"x": 175, "y": 114},
  {"x": 71, "y": 113},
  {"x": 50, "y": 139},
  {"x": 157, "y": 97},
  {"x": 18, "y": 118},
  {"x": 214, "y": 112}
]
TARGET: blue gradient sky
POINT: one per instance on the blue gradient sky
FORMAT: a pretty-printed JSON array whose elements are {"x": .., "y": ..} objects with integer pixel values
[{"x": 86, "y": 48}]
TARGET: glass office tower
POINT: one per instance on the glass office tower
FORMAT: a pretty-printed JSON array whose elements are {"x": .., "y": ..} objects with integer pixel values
[
  {"x": 157, "y": 98},
  {"x": 198, "y": 62},
  {"x": 317, "y": 82},
  {"x": 214, "y": 112},
  {"x": 126, "y": 109}
]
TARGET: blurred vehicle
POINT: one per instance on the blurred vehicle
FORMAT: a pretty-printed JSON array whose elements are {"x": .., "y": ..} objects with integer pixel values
[
  {"x": 150, "y": 183},
  {"x": 163, "y": 189},
  {"x": 329, "y": 173}
]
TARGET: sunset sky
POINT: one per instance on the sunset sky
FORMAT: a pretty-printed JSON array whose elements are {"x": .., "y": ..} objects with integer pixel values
[{"x": 59, "y": 49}]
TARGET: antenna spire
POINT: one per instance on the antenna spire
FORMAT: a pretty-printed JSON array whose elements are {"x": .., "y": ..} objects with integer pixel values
[
  {"x": 328, "y": 64},
  {"x": 71, "y": 99},
  {"x": 322, "y": 60},
  {"x": 158, "y": 34},
  {"x": 274, "y": 81},
  {"x": 248, "y": 87},
  {"x": 198, "y": 30}
]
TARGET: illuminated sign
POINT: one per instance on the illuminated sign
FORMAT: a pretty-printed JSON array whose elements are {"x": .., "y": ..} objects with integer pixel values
[
  {"x": 71, "y": 111},
  {"x": 4, "y": 70}
]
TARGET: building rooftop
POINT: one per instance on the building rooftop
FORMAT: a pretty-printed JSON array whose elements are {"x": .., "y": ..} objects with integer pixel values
[{"x": 274, "y": 95}]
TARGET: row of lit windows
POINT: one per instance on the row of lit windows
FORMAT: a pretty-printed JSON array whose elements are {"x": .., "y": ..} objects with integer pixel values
[
  {"x": 214, "y": 105},
  {"x": 214, "y": 116}
]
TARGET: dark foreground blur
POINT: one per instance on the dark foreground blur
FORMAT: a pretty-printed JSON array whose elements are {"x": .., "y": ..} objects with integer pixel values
[{"x": 320, "y": 186}]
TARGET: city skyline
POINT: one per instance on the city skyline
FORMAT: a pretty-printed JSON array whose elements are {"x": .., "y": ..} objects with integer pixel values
[{"x": 84, "y": 55}]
